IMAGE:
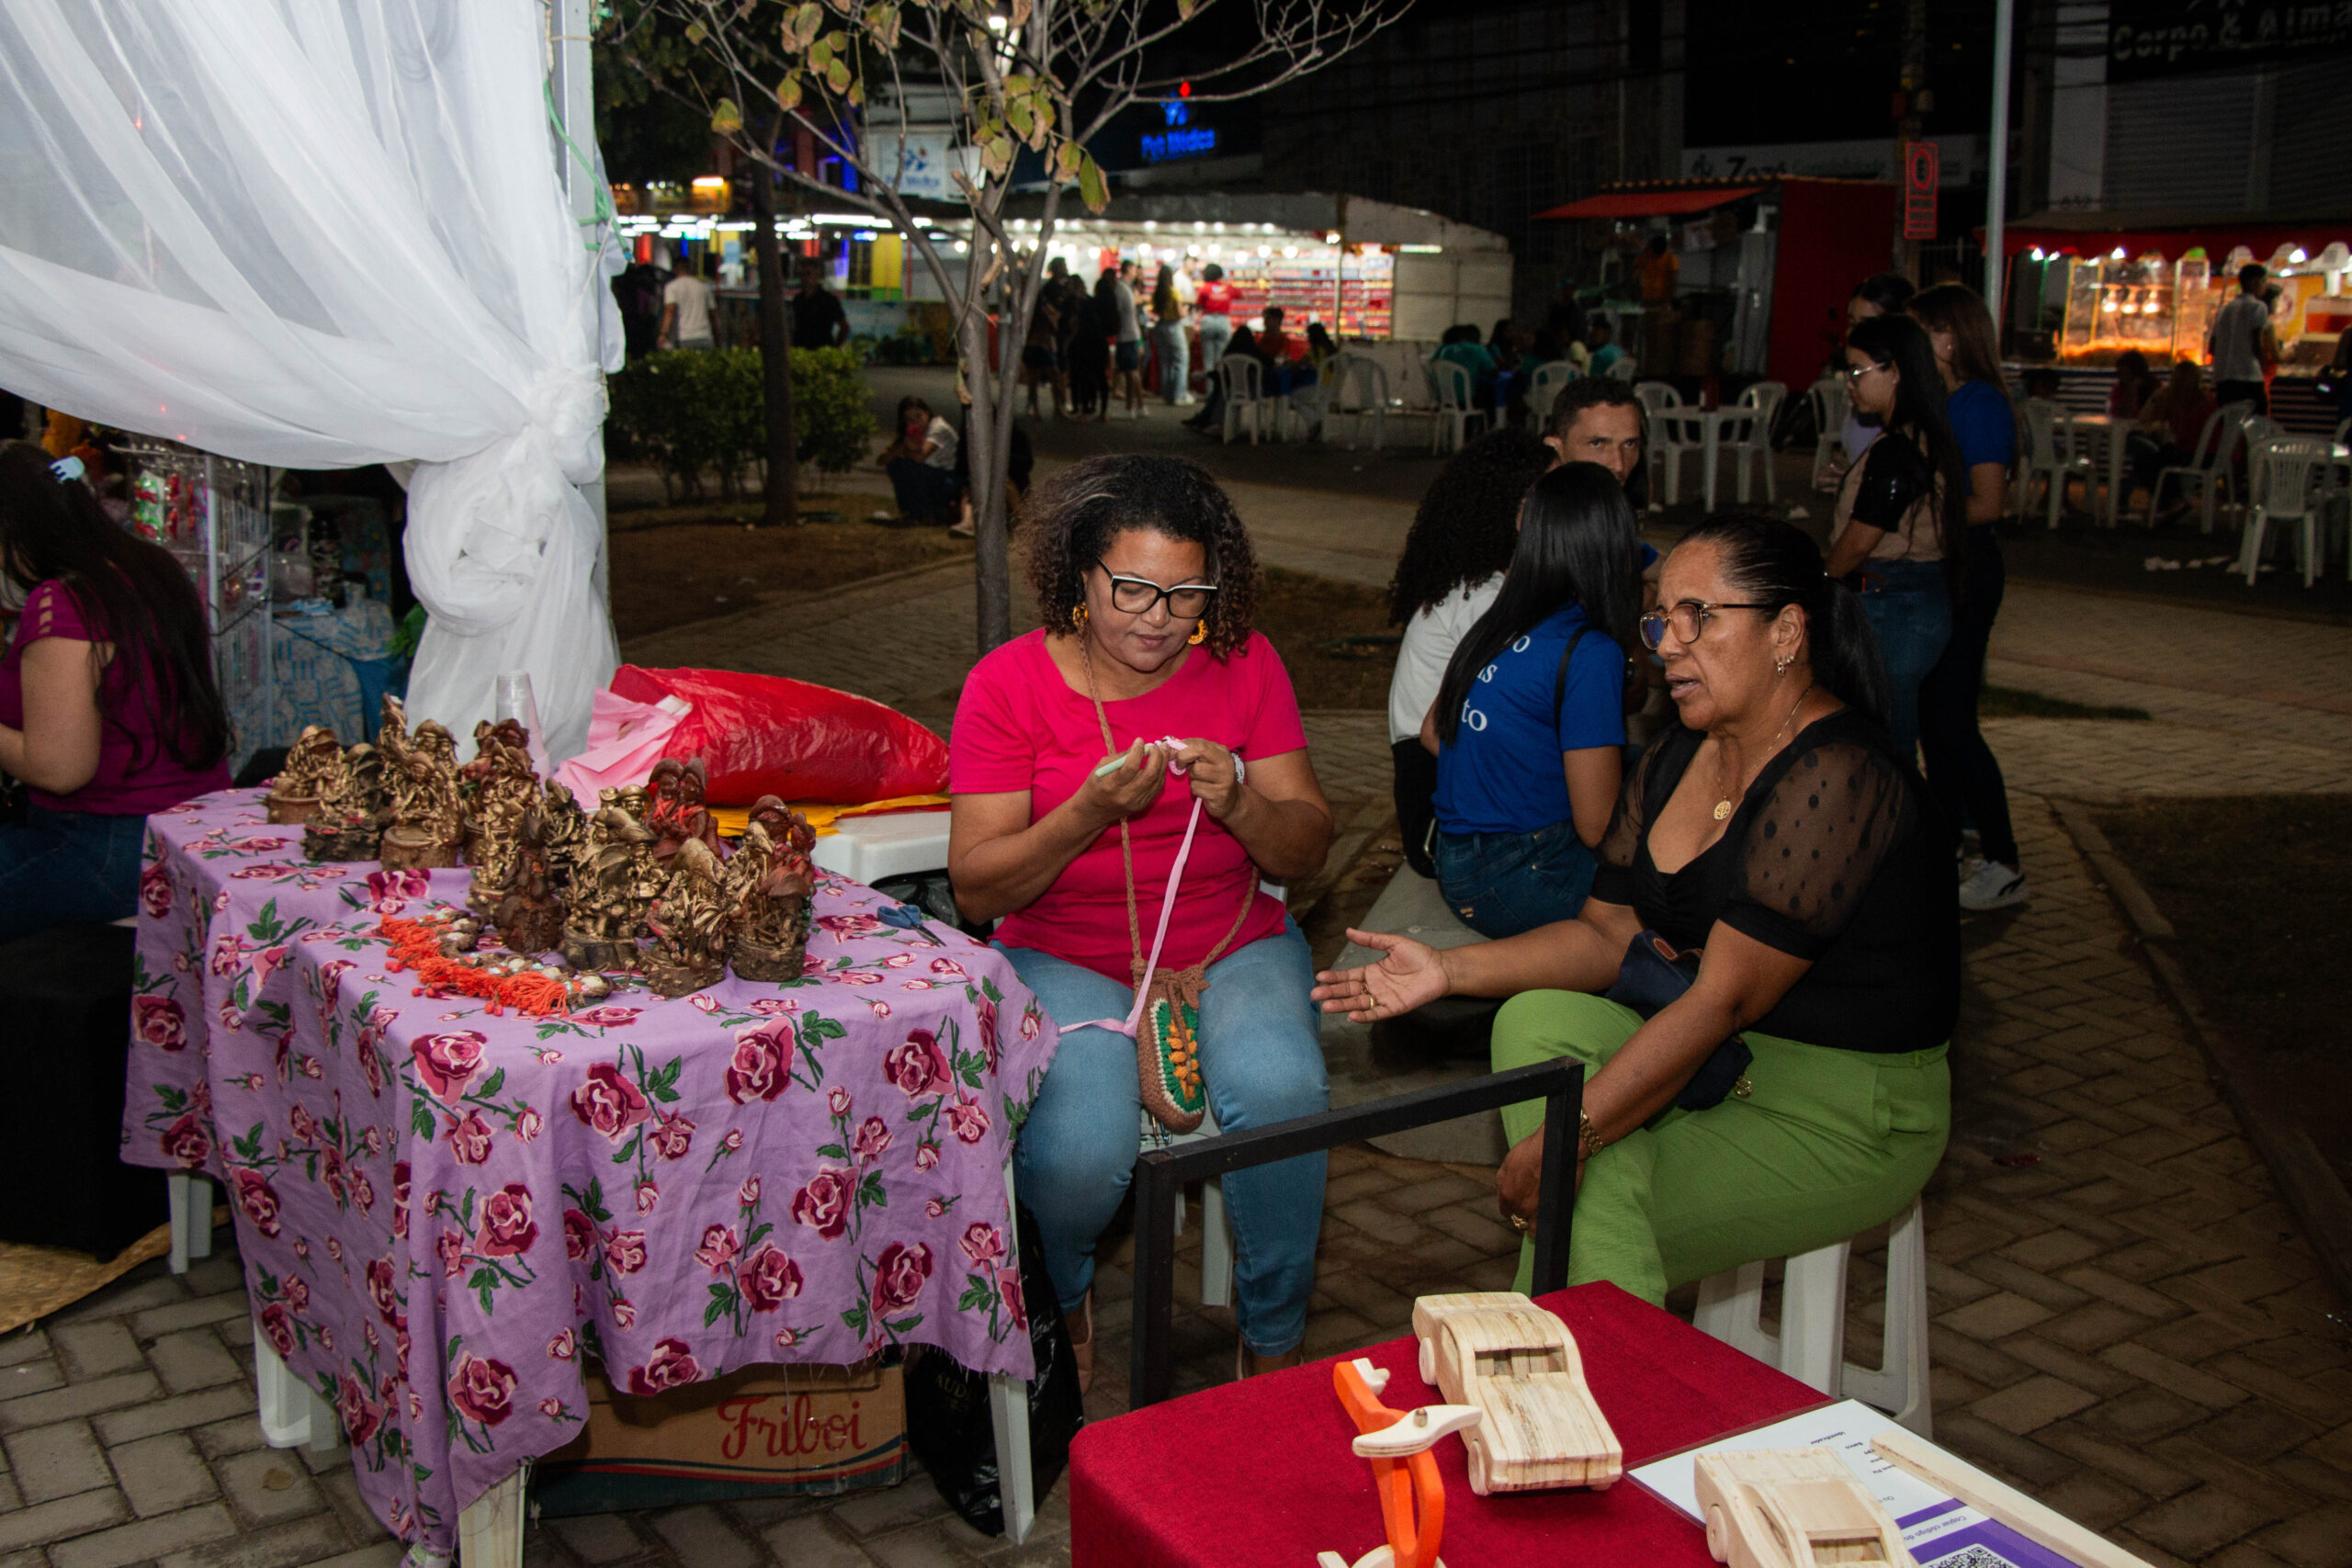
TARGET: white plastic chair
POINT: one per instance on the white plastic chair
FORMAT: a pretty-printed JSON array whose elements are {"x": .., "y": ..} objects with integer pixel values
[
  {"x": 1308, "y": 404},
  {"x": 1811, "y": 1345},
  {"x": 1831, "y": 403},
  {"x": 1750, "y": 438},
  {"x": 1245, "y": 396},
  {"x": 1217, "y": 1232},
  {"x": 1451, "y": 386},
  {"x": 1625, "y": 369},
  {"x": 1544, "y": 388},
  {"x": 2202, "y": 472},
  {"x": 2287, "y": 484},
  {"x": 2049, "y": 456},
  {"x": 1669, "y": 440},
  {"x": 1358, "y": 389}
]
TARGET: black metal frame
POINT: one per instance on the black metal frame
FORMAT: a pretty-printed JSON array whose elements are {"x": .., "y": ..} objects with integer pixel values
[{"x": 1161, "y": 1173}]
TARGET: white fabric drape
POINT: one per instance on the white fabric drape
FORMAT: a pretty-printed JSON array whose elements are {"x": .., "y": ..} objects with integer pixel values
[{"x": 318, "y": 233}]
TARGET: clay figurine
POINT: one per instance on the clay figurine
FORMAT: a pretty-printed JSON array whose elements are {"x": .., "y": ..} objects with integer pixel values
[
  {"x": 423, "y": 772},
  {"x": 354, "y": 808},
  {"x": 769, "y": 884},
  {"x": 311, "y": 763},
  {"x": 475, "y": 789},
  {"x": 1501, "y": 1352},
  {"x": 689, "y": 925},
  {"x": 1793, "y": 1508},
  {"x": 567, "y": 833},
  {"x": 505, "y": 793},
  {"x": 677, "y": 811},
  {"x": 614, "y": 881},
  {"x": 530, "y": 917}
]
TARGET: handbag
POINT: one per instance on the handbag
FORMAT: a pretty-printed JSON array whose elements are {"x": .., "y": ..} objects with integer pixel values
[{"x": 1653, "y": 976}]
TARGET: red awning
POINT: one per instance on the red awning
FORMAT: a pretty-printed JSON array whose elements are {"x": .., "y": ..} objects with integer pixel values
[{"x": 1667, "y": 202}]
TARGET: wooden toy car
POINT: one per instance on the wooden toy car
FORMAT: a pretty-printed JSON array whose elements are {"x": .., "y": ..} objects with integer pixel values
[
  {"x": 1499, "y": 1351},
  {"x": 1793, "y": 1508}
]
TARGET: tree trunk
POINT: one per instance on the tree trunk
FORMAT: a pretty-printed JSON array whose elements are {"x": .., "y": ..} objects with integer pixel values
[
  {"x": 988, "y": 438},
  {"x": 781, "y": 495}
]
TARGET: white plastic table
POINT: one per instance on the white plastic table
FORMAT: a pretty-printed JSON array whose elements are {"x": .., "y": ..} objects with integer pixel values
[{"x": 871, "y": 849}]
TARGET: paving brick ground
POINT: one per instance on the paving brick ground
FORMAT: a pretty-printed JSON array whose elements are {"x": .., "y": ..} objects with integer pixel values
[{"x": 2126, "y": 1321}]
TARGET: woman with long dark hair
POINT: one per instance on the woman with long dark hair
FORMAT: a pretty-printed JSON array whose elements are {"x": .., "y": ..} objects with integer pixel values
[
  {"x": 108, "y": 709},
  {"x": 1528, "y": 724},
  {"x": 1900, "y": 529},
  {"x": 1964, "y": 777}
]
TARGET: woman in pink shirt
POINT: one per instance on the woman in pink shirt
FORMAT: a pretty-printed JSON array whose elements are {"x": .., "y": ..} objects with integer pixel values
[
  {"x": 1145, "y": 581},
  {"x": 107, "y": 705}
]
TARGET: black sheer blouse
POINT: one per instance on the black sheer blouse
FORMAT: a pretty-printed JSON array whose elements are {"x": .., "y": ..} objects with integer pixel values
[{"x": 1828, "y": 858}]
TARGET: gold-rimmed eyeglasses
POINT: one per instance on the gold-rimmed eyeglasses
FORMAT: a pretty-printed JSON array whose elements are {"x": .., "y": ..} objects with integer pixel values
[{"x": 1688, "y": 619}]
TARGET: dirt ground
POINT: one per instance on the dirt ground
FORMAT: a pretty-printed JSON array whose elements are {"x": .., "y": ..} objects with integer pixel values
[{"x": 2259, "y": 888}]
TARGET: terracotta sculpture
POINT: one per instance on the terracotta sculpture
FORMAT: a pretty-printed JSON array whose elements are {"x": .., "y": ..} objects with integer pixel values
[
  {"x": 614, "y": 881},
  {"x": 1793, "y": 1508},
  {"x": 769, "y": 883},
  {"x": 477, "y": 785},
  {"x": 354, "y": 807},
  {"x": 1501, "y": 1352},
  {"x": 530, "y": 915},
  {"x": 567, "y": 834},
  {"x": 689, "y": 925},
  {"x": 504, "y": 793},
  {"x": 311, "y": 763},
  {"x": 677, "y": 811}
]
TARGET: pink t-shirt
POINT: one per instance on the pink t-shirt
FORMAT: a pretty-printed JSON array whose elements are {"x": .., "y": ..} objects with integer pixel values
[
  {"x": 1019, "y": 727},
  {"x": 136, "y": 776}
]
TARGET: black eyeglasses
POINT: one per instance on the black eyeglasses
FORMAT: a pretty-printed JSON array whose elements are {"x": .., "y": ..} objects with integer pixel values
[
  {"x": 1688, "y": 619},
  {"x": 1139, "y": 596}
]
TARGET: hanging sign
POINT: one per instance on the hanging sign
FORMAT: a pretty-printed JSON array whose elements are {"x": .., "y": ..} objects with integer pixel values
[{"x": 1919, "y": 174}]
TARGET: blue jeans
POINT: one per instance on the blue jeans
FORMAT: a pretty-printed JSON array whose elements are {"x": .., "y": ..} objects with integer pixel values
[
  {"x": 1175, "y": 369},
  {"x": 1503, "y": 884},
  {"x": 1263, "y": 1056},
  {"x": 1910, "y": 609},
  {"x": 1216, "y": 333},
  {"x": 1964, "y": 777},
  {"x": 68, "y": 866},
  {"x": 923, "y": 492}
]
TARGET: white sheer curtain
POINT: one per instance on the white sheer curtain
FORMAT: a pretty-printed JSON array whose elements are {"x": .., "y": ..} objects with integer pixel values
[{"x": 320, "y": 233}]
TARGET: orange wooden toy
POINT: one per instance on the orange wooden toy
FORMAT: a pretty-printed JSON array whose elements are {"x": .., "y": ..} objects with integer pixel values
[{"x": 1398, "y": 1442}]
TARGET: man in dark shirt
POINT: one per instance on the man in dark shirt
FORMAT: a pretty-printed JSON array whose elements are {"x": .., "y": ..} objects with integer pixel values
[{"x": 817, "y": 319}]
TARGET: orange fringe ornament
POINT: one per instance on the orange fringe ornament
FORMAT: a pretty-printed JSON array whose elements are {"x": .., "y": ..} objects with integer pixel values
[{"x": 416, "y": 946}]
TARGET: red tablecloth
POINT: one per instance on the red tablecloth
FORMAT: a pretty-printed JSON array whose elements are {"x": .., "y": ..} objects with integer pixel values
[{"x": 1259, "y": 1472}]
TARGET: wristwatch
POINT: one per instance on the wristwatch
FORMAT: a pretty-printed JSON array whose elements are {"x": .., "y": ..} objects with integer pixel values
[{"x": 1589, "y": 1142}]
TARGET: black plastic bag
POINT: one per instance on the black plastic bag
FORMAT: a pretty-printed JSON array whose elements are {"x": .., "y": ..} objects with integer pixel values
[{"x": 948, "y": 1424}]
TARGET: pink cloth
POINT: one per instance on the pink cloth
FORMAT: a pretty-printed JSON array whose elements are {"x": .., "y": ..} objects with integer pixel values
[
  {"x": 136, "y": 774},
  {"x": 1019, "y": 727}
]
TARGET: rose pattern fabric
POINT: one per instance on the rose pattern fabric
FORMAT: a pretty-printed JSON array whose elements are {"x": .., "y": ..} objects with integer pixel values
[{"x": 764, "y": 1172}]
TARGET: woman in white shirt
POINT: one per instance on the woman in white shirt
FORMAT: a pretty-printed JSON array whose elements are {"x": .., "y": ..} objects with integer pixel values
[{"x": 1452, "y": 568}]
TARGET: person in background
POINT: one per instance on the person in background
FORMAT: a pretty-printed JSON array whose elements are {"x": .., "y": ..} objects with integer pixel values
[
  {"x": 1886, "y": 294},
  {"x": 1210, "y": 421},
  {"x": 921, "y": 463},
  {"x": 1602, "y": 355},
  {"x": 1275, "y": 346},
  {"x": 685, "y": 309},
  {"x": 1127, "y": 341},
  {"x": 1462, "y": 540},
  {"x": 1106, "y": 317},
  {"x": 1528, "y": 725},
  {"x": 1069, "y": 297},
  {"x": 1020, "y": 461},
  {"x": 1658, "y": 268},
  {"x": 2042, "y": 382},
  {"x": 1067, "y": 820},
  {"x": 1599, "y": 420},
  {"x": 2169, "y": 426},
  {"x": 1502, "y": 343},
  {"x": 2243, "y": 343},
  {"x": 1461, "y": 346},
  {"x": 2134, "y": 385},
  {"x": 1321, "y": 347},
  {"x": 1169, "y": 340},
  {"x": 1041, "y": 362},
  {"x": 637, "y": 291},
  {"x": 1964, "y": 777},
  {"x": 817, "y": 319},
  {"x": 1900, "y": 525},
  {"x": 1214, "y": 302},
  {"x": 1089, "y": 358},
  {"x": 1826, "y": 944},
  {"x": 108, "y": 708}
]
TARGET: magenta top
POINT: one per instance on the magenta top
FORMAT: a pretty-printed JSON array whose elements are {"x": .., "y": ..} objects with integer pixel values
[
  {"x": 136, "y": 773},
  {"x": 1019, "y": 727}
]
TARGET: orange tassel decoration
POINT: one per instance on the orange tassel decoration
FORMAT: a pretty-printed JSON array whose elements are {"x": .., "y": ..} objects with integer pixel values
[{"x": 416, "y": 946}]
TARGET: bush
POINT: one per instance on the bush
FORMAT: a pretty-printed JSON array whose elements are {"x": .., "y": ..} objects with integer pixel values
[{"x": 694, "y": 411}]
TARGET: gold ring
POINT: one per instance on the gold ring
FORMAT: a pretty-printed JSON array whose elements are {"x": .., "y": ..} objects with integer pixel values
[{"x": 1519, "y": 1223}]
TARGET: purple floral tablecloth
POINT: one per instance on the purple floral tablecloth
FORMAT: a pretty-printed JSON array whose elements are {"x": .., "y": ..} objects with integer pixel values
[{"x": 443, "y": 1213}]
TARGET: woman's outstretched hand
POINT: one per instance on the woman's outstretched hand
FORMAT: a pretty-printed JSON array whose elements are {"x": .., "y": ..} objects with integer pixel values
[{"x": 1412, "y": 973}]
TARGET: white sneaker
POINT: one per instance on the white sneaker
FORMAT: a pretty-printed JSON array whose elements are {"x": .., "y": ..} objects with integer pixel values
[
  {"x": 1994, "y": 887},
  {"x": 1970, "y": 866},
  {"x": 1186, "y": 401}
]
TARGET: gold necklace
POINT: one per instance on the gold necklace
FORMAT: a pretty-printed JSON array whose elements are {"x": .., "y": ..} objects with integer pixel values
[{"x": 1723, "y": 807}]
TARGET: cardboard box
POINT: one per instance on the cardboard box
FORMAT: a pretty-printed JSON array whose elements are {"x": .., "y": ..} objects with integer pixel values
[{"x": 768, "y": 1431}]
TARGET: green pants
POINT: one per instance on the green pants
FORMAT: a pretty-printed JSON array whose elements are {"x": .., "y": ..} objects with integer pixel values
[{"x": 1829, "y": 1144}]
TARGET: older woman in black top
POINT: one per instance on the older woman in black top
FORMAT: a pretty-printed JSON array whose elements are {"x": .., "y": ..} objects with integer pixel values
[{"x": 1773, "y": 916}]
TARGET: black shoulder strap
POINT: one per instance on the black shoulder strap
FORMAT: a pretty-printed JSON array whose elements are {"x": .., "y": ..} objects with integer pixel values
[{"x": 1560, "y": 681}]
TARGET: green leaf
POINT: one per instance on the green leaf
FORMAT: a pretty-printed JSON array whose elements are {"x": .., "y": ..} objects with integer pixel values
[
  {"x": 1092, "y": 189},
  {"x": 758, "y": 1231},
  {"x": 882, "y": 25},
  {"x": 1065, "y": 157},
  {"x": 833, "y": 1151},
  {"x": 1019, "y": 113},
  {"x": 595, "y": 1202},
  {"x": 872, "y": 1193},
  {"x": 726, "y": 118},
  {"x": 695, "y": 32},
  {"x": 627, "y": 1150},
  {"x": 787, "y": 93},
  {"x": 837, "y": 76},
  {"x": 490, "y": 1090},
  {"x": 484, "y": 1278},
  {"x": 996, "y": 154},
  {"x": 903, "y": 1326}
]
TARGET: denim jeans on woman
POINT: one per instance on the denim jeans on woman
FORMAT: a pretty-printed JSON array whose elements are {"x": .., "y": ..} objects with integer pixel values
[
  {"x": 68, "y": 866},
  {"x": 1175, "y": 366},
  {"x": 1503, "y": 884},
  {"x": 1263, "y": 1059},
  {"x": 1909, "y": 607}
]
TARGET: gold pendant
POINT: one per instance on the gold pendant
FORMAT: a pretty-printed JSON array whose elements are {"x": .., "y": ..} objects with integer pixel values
[{"x": 1723, "y": 809}]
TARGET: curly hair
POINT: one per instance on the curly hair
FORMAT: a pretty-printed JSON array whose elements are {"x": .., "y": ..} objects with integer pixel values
[
  {"x": 1468, "y": 523},
  {"x": 1080, "y": 510}
]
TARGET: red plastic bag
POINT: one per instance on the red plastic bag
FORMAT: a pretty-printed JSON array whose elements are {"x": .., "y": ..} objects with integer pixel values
[{"x": 768, "y": 735}]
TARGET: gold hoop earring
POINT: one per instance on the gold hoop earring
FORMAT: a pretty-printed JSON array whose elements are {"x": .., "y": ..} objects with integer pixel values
[
  {"x": 1200, "y": 634},
  {"x": 1078, "y": 617}
]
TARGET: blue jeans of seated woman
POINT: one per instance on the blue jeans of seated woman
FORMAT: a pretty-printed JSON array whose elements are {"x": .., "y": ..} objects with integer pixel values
[
  {"x": 68, "y": 866},
  {"x": 1910, "y": 609},
  {"x": 1263, "y": 1059},
  {"x": 1503, "y": 884}
]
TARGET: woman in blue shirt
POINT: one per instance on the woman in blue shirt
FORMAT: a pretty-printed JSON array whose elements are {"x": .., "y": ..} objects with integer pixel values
[
  {"x": 1964, "y": 777},
  {"x": 1529, "y": 725}
]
